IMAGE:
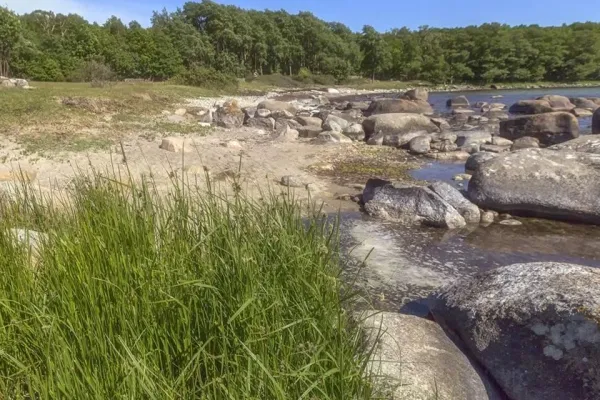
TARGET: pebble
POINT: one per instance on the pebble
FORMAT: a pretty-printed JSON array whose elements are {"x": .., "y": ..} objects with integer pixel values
[{"x": 292, "y": 181}]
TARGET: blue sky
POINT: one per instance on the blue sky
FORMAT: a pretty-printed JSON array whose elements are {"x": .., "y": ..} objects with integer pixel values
[{"x": 382, "y": 14}]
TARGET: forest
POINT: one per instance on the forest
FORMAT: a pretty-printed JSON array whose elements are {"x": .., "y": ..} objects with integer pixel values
[{"x": 205, "y": 38}]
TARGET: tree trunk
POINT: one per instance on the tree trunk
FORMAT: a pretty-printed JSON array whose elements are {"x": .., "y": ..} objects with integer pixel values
[{"x": 373, "y": 77}]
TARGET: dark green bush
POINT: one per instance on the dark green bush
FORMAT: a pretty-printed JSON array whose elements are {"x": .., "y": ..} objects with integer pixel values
[{"x": 207, "y": 78}]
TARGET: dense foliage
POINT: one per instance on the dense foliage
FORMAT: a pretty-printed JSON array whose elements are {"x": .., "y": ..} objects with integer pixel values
[{"x": 236, "y": 42}]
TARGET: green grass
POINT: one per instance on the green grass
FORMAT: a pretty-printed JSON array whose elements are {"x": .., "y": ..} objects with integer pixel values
[{"x": 188, "y": 295}]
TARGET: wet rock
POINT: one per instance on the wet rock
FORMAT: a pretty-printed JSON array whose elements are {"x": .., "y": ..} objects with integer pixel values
[
  {"x": 398, "y": 124},
  {"x": 461, "y": 177},
  {"x": 292, "y": 181},
  {"x": 417, "y": 94},
  {"x": 459, "y": 101},
  {"x": 499, "y": 141},
  {"x": 541, "y": 182},
  {"x": 476, "y": 160},
  {"x": 548, "y": 128},
  {"x": 420, "y": 144},
  {"x": 335, "y": 124},
  {"x": 331, "y": 137},
  {"x": 355, "y": 132},
  {"x": 411, "y": 204},
  {"x": 596, "y": 122},
  {"x": 274, "y": 105},
  {"x": 526, "y": 142},
  {"x": 468, "y": 210},
  {"x": 175, "y": 145},
  {"x": 468, "y": 137},
  {"x": 534, "y": 327},
  {"x": 267, "y": 124},
  {"x": 396, "y": 106},
  {"x": 414, "y": 359},
  {"x": 310, "y": 121},
  {"x": 581, "y": 112},
  {"x": 492, "y": 148}
]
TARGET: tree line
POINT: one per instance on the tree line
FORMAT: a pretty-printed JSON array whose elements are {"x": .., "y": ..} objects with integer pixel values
[{"x": 46, "y": 46}]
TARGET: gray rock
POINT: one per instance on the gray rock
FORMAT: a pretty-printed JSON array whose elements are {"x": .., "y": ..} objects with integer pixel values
[
  {"x": 274, "y": 105},
  {"x": 335, "y": 124},
  {"x": 414, "y": 359},
  {"x": 459, "y": 101},
  {"x": 441, "y": 123},
  {"x": 395, "y": 106},
  {"x": 267, "y": 124},
  {"x": 456, "y": 199},
  {"x": 487, "y": 217},
  {"x": 283, "y": 123},
  {"x": 449, "y": 156},
  {"x": 310, "y": 121},
  {"x": 420, "y": 144},
  {"x": 359, "y": 105},
  {"x": 309, "y": 131},
  {"x": 471, "y": 148},
  {"x": 262, "y": 113},
  {"x": 469, "y": 137},
  {"x": 475, "y": 161},
  {"x": 417, "y": 94},
  {"x": 499, "y": 141},
  {"x": 548, "y": 128},
  {"x": 596, "y": 122},
  {"x": 286, "y": 134},
  {"x": 584, "y": 144},
  {"x": 229, "y": 116},
  {"x": 447, "y": 147},
  {"x": 542, "y": 182},
  {"x": 175, "y": 144},
  {"x": 250, "y": 112},
  {"x": 412, "y": 204},
  {"x": 394, "y": 124},
  {"x": 355, "y": 132},
  {"x": 444, "y": 137},
  {"x": 531, "y": 107},
  {"x": 292, "y": 181},
  {"x": 558, "y": 103},
  {"x": 394, "y": 140},
  {"x": 282, "y": 114},
  {"x": 331, "y": 137},
  {"x": 465, "y": 111},
  {"x": 511, "y": 222},
  {"x": 526, "y": 142},
  {"x": 481, "y": 104},
  {"x": 581, "y": 112},
  {"x": 534, "y": 327}
]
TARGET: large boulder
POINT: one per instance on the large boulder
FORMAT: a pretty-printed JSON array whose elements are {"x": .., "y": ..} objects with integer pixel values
[
  {"x": 398, "y": 124},
  {"x": 410, "y": 204},
  {"x": 582, "y": 102},
  {"x": 414, "y": 359},
  {"x": 274, "y": 105},
  {"x": 534, "y": 327},
  {"x": 540, "y": 182},
  {"x": 584, "y": 144},
  {"x": 229, "y": 115},
  {"x": 459, "y": 101},
  {"x": 549, "y": 128},
  {"x": 456, "y": 199},
  {"x": 417, "y": 94},
  {"x": 476, "y": 159},
  {"x": 558, "y": 103},
  {"x": 394, "y": 106},
  {"x": 531, "y": 107},
  {"x": 596, "y": 122},
  {"x": 335, "y": 124}
]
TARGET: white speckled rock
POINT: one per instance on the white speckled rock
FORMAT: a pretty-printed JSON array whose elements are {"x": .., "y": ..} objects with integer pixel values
[
  {"x": 535, "y": 327},
  {"x": 455, "y": 198}
]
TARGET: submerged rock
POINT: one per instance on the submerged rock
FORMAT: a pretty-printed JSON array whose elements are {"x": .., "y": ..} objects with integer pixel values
[
  {"x": 541, "y": 182},
  {"x": 535, "y": 327},
  {"x": 414, "y": 204}
]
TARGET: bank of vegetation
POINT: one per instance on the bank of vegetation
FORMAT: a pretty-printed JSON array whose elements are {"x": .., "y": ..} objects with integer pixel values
[
  {"x": 127, "y": 294},
  {"x": 208, "y": 44}
]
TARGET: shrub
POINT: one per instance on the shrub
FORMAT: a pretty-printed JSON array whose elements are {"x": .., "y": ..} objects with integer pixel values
[
  {"x": 207, "y": 78},
  {"x": 95, "y": 72}
]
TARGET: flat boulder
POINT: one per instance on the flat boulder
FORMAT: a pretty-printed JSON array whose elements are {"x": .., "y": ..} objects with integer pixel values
[
  {"x": 409, "y": 204},
  {"x": 540, "y": 182},
  {"x": 548, "y": 128},
  {"x": 596, "y": 122},
  {"x": 275, "y": 105},
  {"x": 534, "y": 327},
  {"x": 394, "y": 106},
  {"x": 459, "y": 101},
  {"x": 414, "y": 359},
  {"x": 398, "y": 124}
]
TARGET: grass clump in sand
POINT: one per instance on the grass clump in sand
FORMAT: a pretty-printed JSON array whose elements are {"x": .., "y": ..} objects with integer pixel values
[{"x": 131, "y": 294}]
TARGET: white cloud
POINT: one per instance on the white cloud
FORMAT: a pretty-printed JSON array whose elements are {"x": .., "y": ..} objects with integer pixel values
[{"x": 91, "y": 12}]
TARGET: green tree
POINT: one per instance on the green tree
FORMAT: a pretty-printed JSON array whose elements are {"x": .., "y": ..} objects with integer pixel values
[
  {"x": 376, "y": 55},
  {"x": 10, "y": 30}
]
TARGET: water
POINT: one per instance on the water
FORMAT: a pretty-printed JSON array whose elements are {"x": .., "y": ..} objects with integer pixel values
[{"x": 407, "y": 263}]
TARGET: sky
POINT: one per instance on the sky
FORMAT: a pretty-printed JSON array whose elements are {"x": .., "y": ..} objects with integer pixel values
[{"x": 382, "y": 14}]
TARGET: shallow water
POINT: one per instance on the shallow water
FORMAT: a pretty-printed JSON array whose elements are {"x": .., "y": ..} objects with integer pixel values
[{"x": 407, "y": 263}]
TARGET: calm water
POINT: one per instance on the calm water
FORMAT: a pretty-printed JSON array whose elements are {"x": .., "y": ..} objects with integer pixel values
[{"x": 405, "y": 264}]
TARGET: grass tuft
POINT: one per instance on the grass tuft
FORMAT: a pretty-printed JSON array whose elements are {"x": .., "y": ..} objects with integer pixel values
[{"x": 131, "y": 294}]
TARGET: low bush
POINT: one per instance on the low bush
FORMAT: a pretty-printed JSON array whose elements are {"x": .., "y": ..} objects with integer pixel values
[
  {"x": 95, "y": 72},
  {"x": 207, "y": 78},
  {"x": 132, "y": 295}
]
